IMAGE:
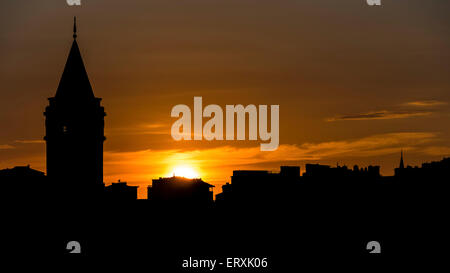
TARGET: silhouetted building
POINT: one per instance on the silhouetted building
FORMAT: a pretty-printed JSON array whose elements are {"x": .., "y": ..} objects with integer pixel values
[
  {"x": 401, "y": 170},
  {"x": 316, "y": 170},
  {"x": 120, "y": 191},
  {"x": 402, "y": 165},
  {"x": 22, "y": 184},
  {"x": 325, "y": 171},
  {"x": 438, "y": 167},
  {"x": 20, "y": 173},
  {"x": 260, "y": 187},
  {"x": 432, "y": 171},
  {"x": 286, "y": 188},
  {"x": 181, "y": 190},
  {"x": 290, "y": 171},
  {"x": 75, "y": 130}
]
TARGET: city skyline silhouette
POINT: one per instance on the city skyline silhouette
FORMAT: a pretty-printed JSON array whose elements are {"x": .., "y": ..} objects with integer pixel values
[
  {"x": 74, "y": 157},
  {"x": 234, "y": 199},
  {"x": 338, "y": 105}
]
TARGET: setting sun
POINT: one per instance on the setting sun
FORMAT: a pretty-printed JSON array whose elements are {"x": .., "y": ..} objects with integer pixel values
[{"x": 185, "y": 171}]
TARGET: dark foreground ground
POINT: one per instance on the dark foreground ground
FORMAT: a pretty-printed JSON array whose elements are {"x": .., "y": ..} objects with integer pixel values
[{"x": 289, "y": 234}]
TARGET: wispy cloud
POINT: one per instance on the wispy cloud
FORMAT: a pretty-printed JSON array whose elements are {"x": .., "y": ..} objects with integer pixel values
[
  {"x": 142, "y": 129},
  {"x": 425, "y": 103},
  {"x": 153, "y": 125},
  {"x": 383, "y": 114},
  {"x": 6, "y": 147},
  {"x": 437, "y": 150},
  {"x": 30, "y": 141}
]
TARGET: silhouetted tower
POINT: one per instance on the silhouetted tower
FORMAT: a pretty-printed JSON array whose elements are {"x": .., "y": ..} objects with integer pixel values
[
  {"x": 75, "y": 130},
  {"x": 402, "y": 166}
]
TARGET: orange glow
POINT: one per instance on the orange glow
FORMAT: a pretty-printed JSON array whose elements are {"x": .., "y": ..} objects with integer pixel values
[{"x": 185, "y": 171}]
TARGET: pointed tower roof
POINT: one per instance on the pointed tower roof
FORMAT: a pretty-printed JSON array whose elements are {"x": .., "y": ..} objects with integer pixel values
[
  {"x": 74, "y": 83},
  {"x": 402, "y": 166}
]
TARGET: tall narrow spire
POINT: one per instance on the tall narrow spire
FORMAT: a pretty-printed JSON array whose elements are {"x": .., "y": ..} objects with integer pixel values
[
  {"x": 74, "y": 84},
  {"x": 402, "y": 166},
  {"x": 74, "y": 27}
]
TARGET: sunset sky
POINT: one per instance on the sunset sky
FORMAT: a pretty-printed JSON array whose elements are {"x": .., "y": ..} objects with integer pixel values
[{"x": 355, "y": 84}]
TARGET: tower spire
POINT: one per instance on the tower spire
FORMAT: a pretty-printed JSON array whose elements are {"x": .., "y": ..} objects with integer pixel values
[
  {"x": 74, "y": 27},
  {"x": 74, "y": 84},
  {"x": 402, "y": 166}
]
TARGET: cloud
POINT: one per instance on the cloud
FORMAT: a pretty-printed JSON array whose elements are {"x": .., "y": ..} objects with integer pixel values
[
  {"x": 437, "y": 150},
  {"x": 216, "y": 164},
  {"x": 142, "y": 129},
  {"x": 425, "y": 103},
  {"x": 6, "y": 147},
  {"x": 403, "y": 112},
  {"x": 383, "y": 114},
  {"x": 30, "y": 141},
  {"x": 367, "y": 146}
]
